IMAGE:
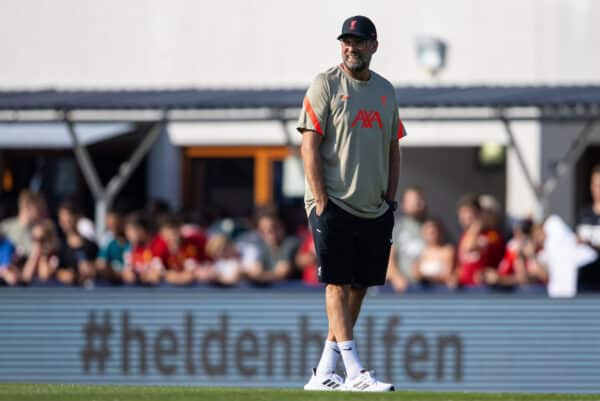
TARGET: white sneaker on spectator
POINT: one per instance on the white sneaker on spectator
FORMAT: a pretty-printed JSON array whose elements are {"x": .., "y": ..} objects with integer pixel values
[
  {"x": 366, "y": 382},
  {"x": 328, "y": 382}
]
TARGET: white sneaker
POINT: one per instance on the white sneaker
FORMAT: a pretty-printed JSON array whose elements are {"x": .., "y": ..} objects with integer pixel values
[
  {"x": 328, "y": 382},
  {"x": 366, "y": 382}
]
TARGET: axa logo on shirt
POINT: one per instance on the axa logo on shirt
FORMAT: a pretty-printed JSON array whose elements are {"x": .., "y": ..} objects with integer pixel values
[{"x": 367, "y": 118}]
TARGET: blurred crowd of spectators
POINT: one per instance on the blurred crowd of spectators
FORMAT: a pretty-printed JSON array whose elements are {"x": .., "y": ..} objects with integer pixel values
[
  {"x": 148, "y": 247},
  {"x": 489, "y": 253},
  {"x": 156, "y": 247},
  {"x": 423, "y": 257}
]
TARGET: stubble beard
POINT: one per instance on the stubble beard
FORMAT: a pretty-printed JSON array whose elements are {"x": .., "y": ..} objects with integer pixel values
[{"x": 359, "y": 66}]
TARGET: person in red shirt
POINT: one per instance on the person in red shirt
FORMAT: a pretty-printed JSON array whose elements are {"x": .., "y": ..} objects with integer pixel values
[
  {"x": 480, "y": 245},
  {"x": 491, "y": 219},
  {"x": 226, "y": 259},
  {"x": 183, "y": 258},
  {"x": 306, "y": 260},
  {"x": 523, "y": 261},
  {"x": 141, "y": 266}
]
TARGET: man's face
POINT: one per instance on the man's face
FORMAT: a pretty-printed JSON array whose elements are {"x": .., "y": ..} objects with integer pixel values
[
  {"x": 270, "y": 230},
  {"x": 595, "y": 187},
  {"x": 489, "y": 218},
  {"x": 413, "y": 204},
  {"x": 136, "y": 235},
  {"x": 431, "y": 233},
  {"x": 467, "y": 215},
  {"x": 31, "y": 211},
  {"x": 67, "y": 221},
  {"x": 171, "y": 234},
  {"x": 114, "y": 222},
  {"x": 357, "y": 52}
]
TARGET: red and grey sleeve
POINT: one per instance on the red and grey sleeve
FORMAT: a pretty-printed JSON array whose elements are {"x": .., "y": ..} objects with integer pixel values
[
  {"x": 401, "y": 133},
  {"x": 315, "y": 107}
]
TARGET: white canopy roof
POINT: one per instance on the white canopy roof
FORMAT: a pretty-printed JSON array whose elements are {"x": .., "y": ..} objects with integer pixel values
[{"x": 56, "y": 135}]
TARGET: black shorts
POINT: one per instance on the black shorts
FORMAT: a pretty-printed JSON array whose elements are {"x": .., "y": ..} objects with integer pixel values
[{"x": 351, "y": 250}]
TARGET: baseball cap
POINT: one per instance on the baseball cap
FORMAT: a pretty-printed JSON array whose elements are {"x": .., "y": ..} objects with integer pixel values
[{"x": 359, "y": 26}]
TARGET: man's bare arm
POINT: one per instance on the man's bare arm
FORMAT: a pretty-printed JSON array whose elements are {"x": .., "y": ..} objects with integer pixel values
[
  {"x": 311, "y": 141},
  {"x": 394, "y": 174}
]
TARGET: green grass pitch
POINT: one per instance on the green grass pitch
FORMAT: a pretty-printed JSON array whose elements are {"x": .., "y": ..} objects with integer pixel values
[{"x": 63, "y": 392}]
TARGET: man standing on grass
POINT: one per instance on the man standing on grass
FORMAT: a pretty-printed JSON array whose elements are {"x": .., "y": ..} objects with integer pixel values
[{"x": 350, "y": 128}]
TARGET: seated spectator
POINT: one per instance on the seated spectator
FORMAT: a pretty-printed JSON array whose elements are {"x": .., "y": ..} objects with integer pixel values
[
  {"x": 227, "y": 262},
  {"x": 276, "y": 255},
  {"x": 523, "y": 261},
  {"x": 8, "y": 273},
  {"x": 536, "y": 258},
  {"x": 77, "y": 254},
  {"x": 42, "y": 263},
  {"x": 194, "y": 222},
  {"x": 588, "y": 232},
  {"x": 478, "y": 245},
  {"x": 250, "y": 245},
  {"x": 31, "y": 208},
  {"x": 85, "y": 226},
  {"x": 306, "y": 260},
  {"x": 564, "y": 255},
  {"x": 435, "y": 265},
  {"x": 182, "y": 257},
  {"x": 111, "y": 261},
  {"x": 491, "y": 218},
  {"x": 114, "y": 223},
  {"x": 407, "y": 242},
  {"x": 141, "y": 266}
]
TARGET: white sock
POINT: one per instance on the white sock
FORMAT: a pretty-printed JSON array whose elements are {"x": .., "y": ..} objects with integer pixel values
[
  {"x": 350, "y": 358},
  {"x": 329, "y": 358}
]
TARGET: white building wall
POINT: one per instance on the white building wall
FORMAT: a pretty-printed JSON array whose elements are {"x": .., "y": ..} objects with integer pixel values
[{"x": 69, "y": 43}]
